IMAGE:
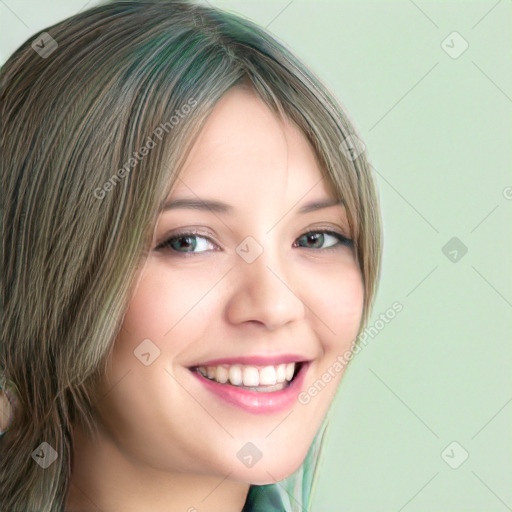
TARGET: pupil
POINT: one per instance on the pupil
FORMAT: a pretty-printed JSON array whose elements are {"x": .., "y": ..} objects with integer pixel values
[
  {"x": 315, "y": 238},
  {"x": 186, "y": 241}
]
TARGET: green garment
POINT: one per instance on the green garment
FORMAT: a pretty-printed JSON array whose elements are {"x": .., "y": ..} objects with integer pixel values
[{"x": 263, "y": 498}]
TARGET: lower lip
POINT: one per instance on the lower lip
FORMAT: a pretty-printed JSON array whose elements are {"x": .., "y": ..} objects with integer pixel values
[{"x": 254, "y": 401}]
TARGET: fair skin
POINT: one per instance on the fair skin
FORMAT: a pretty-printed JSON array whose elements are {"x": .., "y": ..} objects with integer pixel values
[{"x": 167, "y": 443}]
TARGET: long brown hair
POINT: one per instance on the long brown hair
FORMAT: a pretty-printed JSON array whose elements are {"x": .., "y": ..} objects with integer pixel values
[{"x": 80, "y": 202}]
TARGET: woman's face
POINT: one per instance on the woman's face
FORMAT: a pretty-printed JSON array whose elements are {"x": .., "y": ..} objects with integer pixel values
[{"x": 248, "y": 298}]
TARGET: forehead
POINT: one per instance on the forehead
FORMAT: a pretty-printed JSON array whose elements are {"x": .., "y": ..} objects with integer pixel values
[{"x": 246, "y": 151}]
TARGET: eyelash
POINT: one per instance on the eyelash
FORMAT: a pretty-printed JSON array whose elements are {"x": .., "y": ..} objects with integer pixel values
[{"x": 342, "y": 240}]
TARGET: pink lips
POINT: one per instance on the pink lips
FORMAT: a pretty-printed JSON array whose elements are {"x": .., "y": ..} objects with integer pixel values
[{"x": 254, "y": 401}]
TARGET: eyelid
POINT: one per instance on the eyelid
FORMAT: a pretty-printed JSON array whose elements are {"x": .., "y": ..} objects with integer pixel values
[
  {"x": 330, "y": 228},
  {"x": 328, "y": 231}
]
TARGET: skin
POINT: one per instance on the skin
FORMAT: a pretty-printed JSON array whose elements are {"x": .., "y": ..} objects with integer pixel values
[{"x": 166, "y": 443}]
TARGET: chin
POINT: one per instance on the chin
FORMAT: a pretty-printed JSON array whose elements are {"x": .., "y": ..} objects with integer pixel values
[{"x": 268, "y": 472}]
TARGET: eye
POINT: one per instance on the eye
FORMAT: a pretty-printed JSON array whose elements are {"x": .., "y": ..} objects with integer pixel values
[
  {"x": 187, "y": 243},
  {"x": 317, "y": 239}
]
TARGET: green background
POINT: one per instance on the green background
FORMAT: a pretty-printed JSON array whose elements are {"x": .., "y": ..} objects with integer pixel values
[{"x": 438, "y": 132}]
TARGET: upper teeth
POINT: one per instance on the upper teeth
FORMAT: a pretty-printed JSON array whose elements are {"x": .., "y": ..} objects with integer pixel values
[{"x": 252, "y": 376}]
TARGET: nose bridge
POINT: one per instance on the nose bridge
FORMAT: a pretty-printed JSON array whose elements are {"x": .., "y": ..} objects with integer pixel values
[
  {"x": 265, "y": 289},
  {"x": 266, "y": 271}
]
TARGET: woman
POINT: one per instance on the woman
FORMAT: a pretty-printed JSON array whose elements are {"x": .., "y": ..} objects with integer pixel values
[{"x": 191, "y": 241}]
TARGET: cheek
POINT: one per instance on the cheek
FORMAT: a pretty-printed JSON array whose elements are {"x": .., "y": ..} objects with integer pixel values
[
  {"x": 171, "y": 310},
  {"x": 338, "y": 307},
  {"x": 169, "y": 305}
]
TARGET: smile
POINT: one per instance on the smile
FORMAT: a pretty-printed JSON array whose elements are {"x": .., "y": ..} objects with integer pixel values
[
  {"x": 257, "y": 389},
  {"x": 264, "y": 379}
]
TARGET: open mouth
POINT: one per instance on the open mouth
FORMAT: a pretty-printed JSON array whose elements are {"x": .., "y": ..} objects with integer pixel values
[{"x": 262, "y": 379}]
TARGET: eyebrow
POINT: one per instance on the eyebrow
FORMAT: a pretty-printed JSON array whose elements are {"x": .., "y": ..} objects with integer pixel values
[{"x": 219, "y": 207}]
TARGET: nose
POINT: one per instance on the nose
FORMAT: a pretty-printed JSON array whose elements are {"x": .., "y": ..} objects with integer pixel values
[{"x": 264, "y": 293}]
